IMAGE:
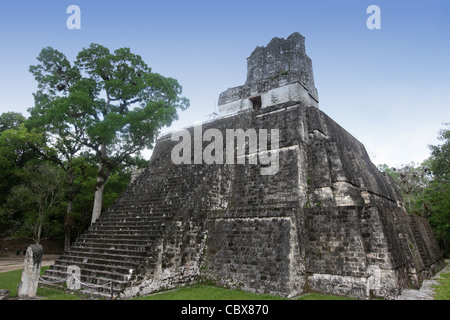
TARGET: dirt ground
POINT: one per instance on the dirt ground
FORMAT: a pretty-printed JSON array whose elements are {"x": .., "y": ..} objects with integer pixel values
[{"x": 16, "y": 262}]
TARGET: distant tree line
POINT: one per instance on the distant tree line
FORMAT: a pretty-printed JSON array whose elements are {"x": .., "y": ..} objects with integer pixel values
[{"x": 426, "y": 188}]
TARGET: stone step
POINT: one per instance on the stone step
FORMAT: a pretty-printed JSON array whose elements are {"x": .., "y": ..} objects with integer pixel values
[
  {"x": 123, "y": 231},
  {"x": 125, "y": 225},
  {"x": 77, "y": 260},
  {"x": 117, "y": 238},
  {"x": 90, "y": 284},
  {"x": 136, "y": 244},
  {"x": 96, "y": 255},
  {"x": 122, "y": 227},
  {"x": 129, "y": 220},
  {"x": 74, "y": 257},
  {"x": 115, "y": 247},
  {"x": 136, "y": 204},
  {"x": 89, "y": 274},
  {"x": 150, "y": 206},
  {"x": 110, "y": 226},
  {"x": 120, "y": 223},
  {"x": 89, "y": 268},
  {"x": 126, "y": 211},
  {"x": 108, "y": 250},
  {"x": 106, "y": 254}
]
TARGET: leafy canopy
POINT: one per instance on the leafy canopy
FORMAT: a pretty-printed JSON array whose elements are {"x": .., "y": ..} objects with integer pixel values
[{"x": 103, "y": 99}]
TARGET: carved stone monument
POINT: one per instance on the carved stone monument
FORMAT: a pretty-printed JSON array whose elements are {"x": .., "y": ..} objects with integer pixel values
[
  {"x": 73, "y": 278},
  {"x": 31, "y": 272}
]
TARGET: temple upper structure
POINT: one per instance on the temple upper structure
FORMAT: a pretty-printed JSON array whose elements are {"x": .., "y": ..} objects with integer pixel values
[{"x": 277, "y": 73}]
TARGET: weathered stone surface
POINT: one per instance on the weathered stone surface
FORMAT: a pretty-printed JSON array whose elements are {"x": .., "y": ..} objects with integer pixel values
[
  {"x": 31, "y": 272},
  {"x": 4, "y": 294},
  {"x": 328, "y": 221},
  {"x": 278, "y": 73},
  {"x": 73, "y": 278}
]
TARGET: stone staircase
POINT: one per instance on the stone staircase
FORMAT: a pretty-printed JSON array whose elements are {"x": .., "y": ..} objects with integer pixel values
[
  {"x": 419, "y": 242},
  {"x": 113, "y": 250}
]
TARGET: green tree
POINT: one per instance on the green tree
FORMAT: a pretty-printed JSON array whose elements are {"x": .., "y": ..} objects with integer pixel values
[
  {"x": 440, "y": 156},
  {"x": 437, "y": 194},
  {"x": 14, "y": 154},
  {"x": 38, "y": 198},
  {"x": 411, "y": 179},
  {"x": 19, "y": 145},
  {"x": 109, "y": 102},
  {"x": 426, "y": 187},
  {"x": 11, "y": 120},
  {"x": 84, "y": 183},
  {"x": 60, "y": 145},
  {"x": 437, "y": 201}
]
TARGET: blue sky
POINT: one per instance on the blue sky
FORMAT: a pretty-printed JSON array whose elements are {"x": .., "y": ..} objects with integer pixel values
[{"x": 390, "y": 88}]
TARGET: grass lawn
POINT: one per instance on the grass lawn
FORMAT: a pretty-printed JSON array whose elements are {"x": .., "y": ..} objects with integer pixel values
[
  {"x": 201, "y": 292},
  {"x": 442, "y": 291},
  {"x": 10, "y": 280}
]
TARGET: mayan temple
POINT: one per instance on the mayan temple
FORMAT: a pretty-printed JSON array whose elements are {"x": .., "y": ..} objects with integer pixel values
[{"x": 323, "y": 220}]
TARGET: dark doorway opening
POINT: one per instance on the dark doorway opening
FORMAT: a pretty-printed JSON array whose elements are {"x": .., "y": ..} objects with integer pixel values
[{"x": 256, "y": 102}]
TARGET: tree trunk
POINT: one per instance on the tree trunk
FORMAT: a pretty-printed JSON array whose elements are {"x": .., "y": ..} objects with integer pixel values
[
  {"x": 102, "y": 177},
  {"x": 68, "y": 225},
  {"x": 98, "y": 198},
  {"x": 38, "y": 235},
  {"x": 68, "y": 219}
]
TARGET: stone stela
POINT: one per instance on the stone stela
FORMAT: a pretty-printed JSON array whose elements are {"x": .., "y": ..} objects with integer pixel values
[
  {"x": 328, "y": 221},
  {"x": 31, "y": 272}
]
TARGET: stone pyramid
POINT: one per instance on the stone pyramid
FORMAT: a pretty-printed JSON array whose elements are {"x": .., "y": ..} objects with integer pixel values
[{"x": 323, "y": 220}]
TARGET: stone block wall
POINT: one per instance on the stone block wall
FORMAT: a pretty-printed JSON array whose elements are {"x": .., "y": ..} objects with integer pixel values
[
  {"x": 250, "y": 253},
  {"x": 328, "y": 221}
]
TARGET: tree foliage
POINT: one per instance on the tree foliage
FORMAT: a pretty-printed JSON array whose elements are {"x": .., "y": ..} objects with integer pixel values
[
  {"x": 90, "y": 120},
  {"x": 437, "y": 195},
  {"x": 38, "y": 198},
  {"x": 14, "y": 154},
  {"x": 11, "y": 120},
  {"x": 19, "y": 164},
  {"x": 439, "y": 160},
  {"x": 411, "y": 179},
  {"x": 425, "y": 188},
  {"x": 110, "y": 103}
]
